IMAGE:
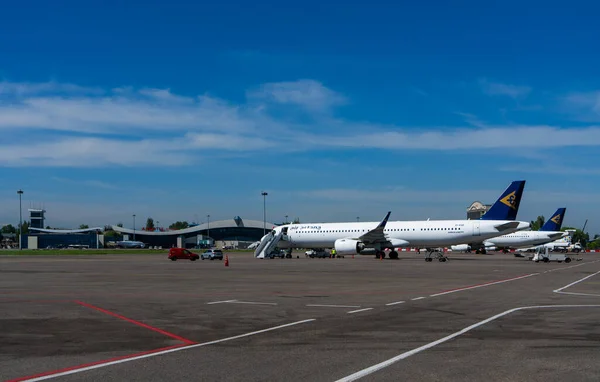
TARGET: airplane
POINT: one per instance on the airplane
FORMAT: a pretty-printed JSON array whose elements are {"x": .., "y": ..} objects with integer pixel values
[
  {"x": 371, "y": 238},
  {"x": 549, "y": 232},
  {"x": 130, "y": 244}
]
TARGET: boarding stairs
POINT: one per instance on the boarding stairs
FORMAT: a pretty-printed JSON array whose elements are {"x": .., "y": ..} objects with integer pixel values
[{"x": 267, "y": 244}]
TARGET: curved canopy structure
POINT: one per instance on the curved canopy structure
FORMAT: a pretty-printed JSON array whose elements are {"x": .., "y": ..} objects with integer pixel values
[
  {"x": 216, "y": 225},
  {"x": 84, "y": 230}
]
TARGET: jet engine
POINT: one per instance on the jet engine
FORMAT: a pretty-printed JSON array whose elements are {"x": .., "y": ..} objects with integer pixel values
[
  {"x": 461, "y": 247},
  {"x": 349, "y": 247}
]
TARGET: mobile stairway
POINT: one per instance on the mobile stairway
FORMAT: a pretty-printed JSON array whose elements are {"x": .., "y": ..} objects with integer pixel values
[{"x": 267, "y": 244}]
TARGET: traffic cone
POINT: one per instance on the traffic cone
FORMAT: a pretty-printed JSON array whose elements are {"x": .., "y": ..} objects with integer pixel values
[{"x": 226, "y": 260}]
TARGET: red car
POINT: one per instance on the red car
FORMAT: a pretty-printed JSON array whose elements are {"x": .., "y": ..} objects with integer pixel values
[{"x": 182, "y": 253}]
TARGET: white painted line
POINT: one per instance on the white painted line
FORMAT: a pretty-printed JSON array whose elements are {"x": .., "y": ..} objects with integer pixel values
[
  {"x": 334, "y": 306},
  {"x": 572, "y": 266},
  {"x": 417, "y": 298},
  {"x": 580, "y": 294},
  {"x": 573, "y": 283},
  {"x": 166, "y": 351},
  {"x": 379, "y": 366},
  {"x": 252, "y": 302},
  {"x": 219, "y": 302},
  {"x": 483, "y": 285},
  {"x": 360, "y": 310},
  {"x": 395, "y": 303}
]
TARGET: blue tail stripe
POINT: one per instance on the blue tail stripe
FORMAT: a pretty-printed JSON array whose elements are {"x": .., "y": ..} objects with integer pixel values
[
  {"x": 555, "y": 222},
  {"x": 507, "y": 206}
]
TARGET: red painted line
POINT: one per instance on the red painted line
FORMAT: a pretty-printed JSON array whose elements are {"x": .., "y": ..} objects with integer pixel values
[
  {"x": 185, "y": 340},
  {"x": 484, "y": 284},
  {"x": 49, "y": 373}
]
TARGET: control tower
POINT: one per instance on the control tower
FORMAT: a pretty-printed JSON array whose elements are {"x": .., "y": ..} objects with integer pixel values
[{"x": 36, "y": 217}]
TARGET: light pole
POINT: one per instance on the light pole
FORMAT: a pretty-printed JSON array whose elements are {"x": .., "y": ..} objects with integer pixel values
[
  {"x": 20, "y": 192},
  {"x": 286, "y": 221},
  {"x": 264, "y": 194},
  {"x": 133, "y": 227},
  {"x": 208, "y": 228}
]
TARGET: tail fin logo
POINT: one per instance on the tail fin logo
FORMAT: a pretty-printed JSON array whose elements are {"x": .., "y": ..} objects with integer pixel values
[
  {"x": 556, "y": 219},
  {"x": 510, "y": 200}
]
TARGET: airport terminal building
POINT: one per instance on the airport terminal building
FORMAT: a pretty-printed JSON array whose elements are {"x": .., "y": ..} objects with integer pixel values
[{"x": 235, "y": 232}]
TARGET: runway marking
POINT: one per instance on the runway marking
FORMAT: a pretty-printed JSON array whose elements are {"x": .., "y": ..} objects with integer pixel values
[
  {"x": 152, "y": 353},
  {"x": 391, "y": 361},
  {"x": 251, "y": 302},
  {"x": 572, "y": 266},
  {"x": 334, "y": 306},
  {"x": 138, "y": 323},
  {"x": 482, "y": 285},
  {"x": 560, "y": 290},
  {"x": 359, "y": 310},
  {"x": 395, "y": 303},
  {"x": 93, "y": 365},
  {"x": 219, "y": 302},
  {"x": 417, "y": 298}
]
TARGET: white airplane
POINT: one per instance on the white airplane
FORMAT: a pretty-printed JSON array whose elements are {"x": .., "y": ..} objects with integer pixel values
[
  {"x": 368, "y": 238},
  {"x": 549, "y": 232}
]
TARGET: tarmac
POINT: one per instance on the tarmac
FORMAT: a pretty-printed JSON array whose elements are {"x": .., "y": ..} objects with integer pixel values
[{"x": 144, "y": 318}]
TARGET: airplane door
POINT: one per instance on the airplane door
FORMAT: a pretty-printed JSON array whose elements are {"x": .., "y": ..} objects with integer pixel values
[{"x": 476, "y": 231}]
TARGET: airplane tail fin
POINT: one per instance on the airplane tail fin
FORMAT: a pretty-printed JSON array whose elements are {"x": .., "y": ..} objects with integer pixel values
[
  {"x": 507, "y": 206},
  {"x": 555, "y": 222}
]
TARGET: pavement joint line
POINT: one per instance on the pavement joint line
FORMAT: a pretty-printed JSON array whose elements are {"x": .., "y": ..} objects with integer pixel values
[
  {"x": 395, "y": 303},
  {"x": 83, "y": 368},
  {"x": 359, "y": 310},
  {"x": 483, "y": 285},
  {"x": 333, "y": 306},
  {"x": 372, "y": 369}
]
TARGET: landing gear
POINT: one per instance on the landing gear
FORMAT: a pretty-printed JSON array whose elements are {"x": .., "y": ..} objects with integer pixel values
[
  {"x": 437, "y": 254},
  {"x": 394, "y": 255}
]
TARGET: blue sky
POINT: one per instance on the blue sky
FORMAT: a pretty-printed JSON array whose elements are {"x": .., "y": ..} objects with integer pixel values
[{"x": 176, "y": 110}]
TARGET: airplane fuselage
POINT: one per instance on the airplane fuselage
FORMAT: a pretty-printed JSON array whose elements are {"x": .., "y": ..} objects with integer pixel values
[
  {"x": 524, "y": 238},
  {"x": 429, "y": 234}
]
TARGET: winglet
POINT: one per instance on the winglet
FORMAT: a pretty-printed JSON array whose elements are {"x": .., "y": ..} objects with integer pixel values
[
  {"x": 507, "y": 205},
  {"x": 384, "y": 221},
  {"x": 555, "y": 222}
]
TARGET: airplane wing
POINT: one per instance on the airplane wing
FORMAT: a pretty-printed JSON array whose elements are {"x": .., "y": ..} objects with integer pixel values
[
  {"x": 376, "y": 235},
  {"x": 507, "y": 226}
]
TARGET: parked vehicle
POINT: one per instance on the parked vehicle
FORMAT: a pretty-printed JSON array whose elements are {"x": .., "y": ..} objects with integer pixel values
[
  {"x": 212, "y": 254},
  {"x": 277, "y": 253},
  {"x": 320, "y": 253},
  {"x": 182, "y": 253}
]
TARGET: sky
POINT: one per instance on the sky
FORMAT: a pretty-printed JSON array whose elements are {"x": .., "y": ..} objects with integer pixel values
[{"x": 179, "y": 110}]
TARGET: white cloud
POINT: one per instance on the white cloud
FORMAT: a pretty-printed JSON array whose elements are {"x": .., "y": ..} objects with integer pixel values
[
  {"x": 500, "y": 89},
  {"x": 307, "y": 93},
  {"x": 28, "y": 88},
  {"x": 507, "y": 137},
  {"x": 95, "y": 152},
  {"x": 150, "y": 126},
  {"x": 585, "y": 105}
]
